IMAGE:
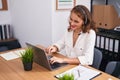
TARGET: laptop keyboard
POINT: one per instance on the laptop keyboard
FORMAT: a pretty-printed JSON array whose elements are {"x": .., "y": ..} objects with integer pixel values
[
  {"x": 49, "y": 57},
  {"x": 55, "y": 65}
]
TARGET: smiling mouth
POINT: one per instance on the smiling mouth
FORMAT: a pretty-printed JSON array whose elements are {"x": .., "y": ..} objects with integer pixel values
[{"x": 73, "y": 27}]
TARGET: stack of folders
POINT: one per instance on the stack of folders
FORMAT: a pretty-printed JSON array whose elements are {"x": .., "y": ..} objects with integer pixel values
[
  {"x": 111, "y": 44},
  {"x": 81, "y": 73},
  {"x": 5, "y": 31}
]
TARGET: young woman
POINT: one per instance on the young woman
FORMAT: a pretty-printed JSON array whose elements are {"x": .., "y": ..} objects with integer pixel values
[{"x": 78, "y": 41}]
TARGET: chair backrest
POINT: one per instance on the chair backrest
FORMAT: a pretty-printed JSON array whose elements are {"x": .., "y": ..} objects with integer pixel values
[
  {"x": 97, "y": 58},
  {"x": 113, "y": 68}
]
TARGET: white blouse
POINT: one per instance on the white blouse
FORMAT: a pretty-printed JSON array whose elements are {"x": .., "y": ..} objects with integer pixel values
[{"x": 83, "y": 49}]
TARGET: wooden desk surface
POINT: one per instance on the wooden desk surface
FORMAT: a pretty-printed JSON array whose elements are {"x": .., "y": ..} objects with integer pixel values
[{"x": 13, "y": 70}]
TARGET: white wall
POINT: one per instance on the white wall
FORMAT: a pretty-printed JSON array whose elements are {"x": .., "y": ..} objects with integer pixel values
[
  {"x": 31, "y": 20},
  {"x": 84, "y": 2},
  {"x": 5, "y": 16},
  {"x": 59, "y": 22},
  {"x": 60, "y": 19},
  {"x": 38, "y": 22}
]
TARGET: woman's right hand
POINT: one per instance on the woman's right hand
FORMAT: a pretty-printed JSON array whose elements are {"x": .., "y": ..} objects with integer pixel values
[{"x": 51, "y": 49}]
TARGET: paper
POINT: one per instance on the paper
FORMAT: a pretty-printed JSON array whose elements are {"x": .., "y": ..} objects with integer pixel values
[
  {"x": 18, "y": 52},
  {"x": 81, "y": 73},
  {"x": 11, "y": 55}
]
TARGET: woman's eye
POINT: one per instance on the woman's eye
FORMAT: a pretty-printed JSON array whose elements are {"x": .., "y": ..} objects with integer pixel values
[
  {"x": 71, "y": 20},
  {"x": 76, "y": 21}
]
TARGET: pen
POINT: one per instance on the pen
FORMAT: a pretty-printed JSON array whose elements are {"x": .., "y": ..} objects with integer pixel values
[{"x": 78, "y": 73}]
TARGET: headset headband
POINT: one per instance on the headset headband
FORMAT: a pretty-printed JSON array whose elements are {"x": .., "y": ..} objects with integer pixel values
[{"x": 85, "y": 15}]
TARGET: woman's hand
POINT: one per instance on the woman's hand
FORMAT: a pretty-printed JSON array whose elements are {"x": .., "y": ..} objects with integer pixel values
[
  {"x": 56, "y": 60},
  {"x": 51, "y": 49},
  {"x": 64, "y": 60}
]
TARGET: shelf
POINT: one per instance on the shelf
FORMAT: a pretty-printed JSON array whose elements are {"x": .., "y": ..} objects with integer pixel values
[{"x": 10, "y": 43}]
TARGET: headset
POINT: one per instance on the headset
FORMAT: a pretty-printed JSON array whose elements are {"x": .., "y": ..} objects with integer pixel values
[{"x": 85, "y": 15}]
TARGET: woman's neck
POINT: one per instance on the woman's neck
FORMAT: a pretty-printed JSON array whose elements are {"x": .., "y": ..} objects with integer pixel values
[{"x": 77, "y": 31}]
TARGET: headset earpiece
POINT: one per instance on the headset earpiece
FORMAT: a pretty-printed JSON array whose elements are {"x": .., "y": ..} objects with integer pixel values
[
  {"x": 85, "y": 16},
  {"x": 85, "y": 21}
]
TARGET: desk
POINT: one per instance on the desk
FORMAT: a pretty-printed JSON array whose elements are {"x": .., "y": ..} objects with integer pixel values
[{"x": 13, "y": 70}]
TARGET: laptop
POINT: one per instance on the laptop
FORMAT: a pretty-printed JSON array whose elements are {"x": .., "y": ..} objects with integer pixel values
[{"x": 41, "y": 58}]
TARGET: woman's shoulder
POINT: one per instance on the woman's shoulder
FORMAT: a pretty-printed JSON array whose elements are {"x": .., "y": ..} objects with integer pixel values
[{"x": 91, "y": 31}]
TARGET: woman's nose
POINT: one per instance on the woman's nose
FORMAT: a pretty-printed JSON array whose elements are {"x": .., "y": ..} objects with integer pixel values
[{"x": 72, "y": 23}]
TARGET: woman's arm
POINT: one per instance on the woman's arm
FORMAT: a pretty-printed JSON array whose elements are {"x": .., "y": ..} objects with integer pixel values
[
  {"x": 56, "y": 47},
  {"x": 71, "y": 60},
  {"x": 61, "y": 43},
  {"x": 87, "y": 58},
  {"x": 65, "y": 60}
]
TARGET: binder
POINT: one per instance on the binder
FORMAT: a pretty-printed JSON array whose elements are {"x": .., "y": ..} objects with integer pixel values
[
  {"x": 102, "y": 42},
  {"x": 98, "y": 41},
  {"x": 111, "y": 45},
  {"x": 5, "y": 31},
  {"x": 106, "y": 44},
  {"x": 116, "y": 46},
  {"x": 8, "y": 31},
  {"x": 1, "y": 37}
]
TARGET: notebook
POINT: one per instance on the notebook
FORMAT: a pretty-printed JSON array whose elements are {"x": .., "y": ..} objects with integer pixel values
[
  {"x": 41, "y": 58},
  {"x": 80, "y": 73}
]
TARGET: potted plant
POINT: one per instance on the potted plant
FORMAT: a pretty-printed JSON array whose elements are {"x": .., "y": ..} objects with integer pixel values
[
  {"x": 27, "y": 59},
  {"x": 67, "y": 77}
]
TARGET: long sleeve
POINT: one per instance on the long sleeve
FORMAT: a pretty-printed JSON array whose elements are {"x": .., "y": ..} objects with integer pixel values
[
  {"x": 61, "y": 43},
  {"x": 88, "y": 50},
  {"x": 83, "y": 49}
]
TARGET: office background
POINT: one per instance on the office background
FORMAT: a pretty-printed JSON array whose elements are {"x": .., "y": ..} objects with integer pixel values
[{"x": 37, "y": 21}]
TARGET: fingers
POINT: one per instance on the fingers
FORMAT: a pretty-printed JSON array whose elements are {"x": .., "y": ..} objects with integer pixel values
[
  {"x": 52, "y": 60},
  {"x": 56, "y": 59},
  {"x": 51, "y": 49},
  {"x": 48, "y": 50}
]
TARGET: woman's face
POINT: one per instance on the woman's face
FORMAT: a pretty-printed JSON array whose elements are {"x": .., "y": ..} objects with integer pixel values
[{"x": 75, "y": 22}]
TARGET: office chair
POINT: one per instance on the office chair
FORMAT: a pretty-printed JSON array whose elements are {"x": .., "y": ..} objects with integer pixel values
[
  {"x": 113, "y": 68},
  {"x": 97, "y": 58}
]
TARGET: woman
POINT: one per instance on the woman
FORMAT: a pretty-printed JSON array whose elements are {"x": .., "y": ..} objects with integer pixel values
[{"x": 78, "y": 41}]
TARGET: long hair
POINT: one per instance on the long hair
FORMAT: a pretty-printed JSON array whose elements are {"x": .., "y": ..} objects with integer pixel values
[{"x": 83, "y": 13}]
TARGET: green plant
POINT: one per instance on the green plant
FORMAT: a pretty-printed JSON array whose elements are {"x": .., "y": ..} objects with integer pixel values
[
  {"x": 67, "y": 77},
  {"x": 27, "y": 55}
]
